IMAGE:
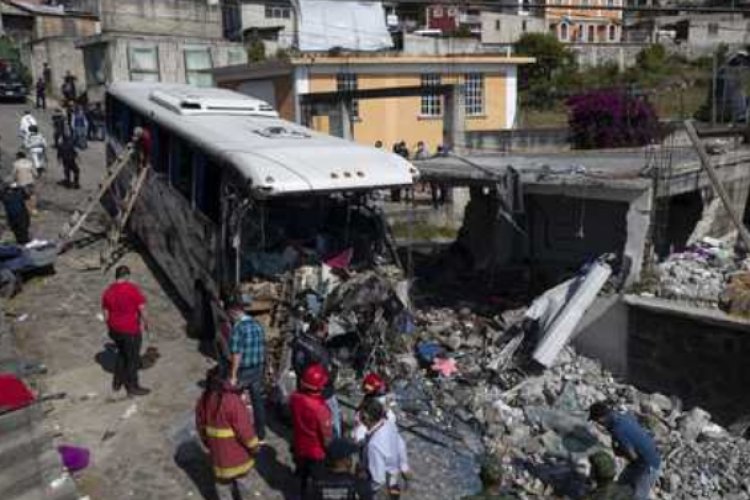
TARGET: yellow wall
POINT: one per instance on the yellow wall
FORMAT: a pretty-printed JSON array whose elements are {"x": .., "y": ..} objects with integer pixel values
[{"x": 395, "y": 119}]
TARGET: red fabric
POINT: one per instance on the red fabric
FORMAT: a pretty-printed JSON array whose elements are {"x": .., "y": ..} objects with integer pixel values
[
  {"x": 231, "y": 414},
  {"x": 341, "y": 260},
  {"x": 312, "y": 424},
  {"x": 13, "y": 393},
  {"x": 123, "y": 301},
  {"x": 145, "y": 144}
]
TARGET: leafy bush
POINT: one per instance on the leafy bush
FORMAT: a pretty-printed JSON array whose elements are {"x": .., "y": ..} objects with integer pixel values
[{"x": 611, "y": 118}]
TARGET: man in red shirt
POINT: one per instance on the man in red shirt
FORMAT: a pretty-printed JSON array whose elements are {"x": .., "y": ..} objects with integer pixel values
[
  {"x": 312, "y": 425},
  {"x": 125, "y": 313}
]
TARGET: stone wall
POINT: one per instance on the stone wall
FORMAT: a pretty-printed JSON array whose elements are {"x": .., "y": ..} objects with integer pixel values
[
  {"x": 183, "y": 17},
  {"x": 598, "y": 54}
]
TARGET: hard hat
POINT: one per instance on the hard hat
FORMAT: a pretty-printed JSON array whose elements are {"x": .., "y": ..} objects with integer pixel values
[
  {"x": 373, "y": 384},
  {"x": 314, "y": 378}
]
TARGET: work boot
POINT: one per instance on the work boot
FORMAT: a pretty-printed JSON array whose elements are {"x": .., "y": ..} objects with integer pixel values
[{"x": 138, "y": 391}]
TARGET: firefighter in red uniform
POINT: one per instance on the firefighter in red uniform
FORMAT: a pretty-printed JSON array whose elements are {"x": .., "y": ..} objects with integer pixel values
[
  {"x": 312, "y": 424},
  {"x": 226, "y": 428}
]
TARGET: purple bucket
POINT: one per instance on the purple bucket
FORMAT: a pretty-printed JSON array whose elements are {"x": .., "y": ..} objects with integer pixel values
[{"x": 74, "y": 458}]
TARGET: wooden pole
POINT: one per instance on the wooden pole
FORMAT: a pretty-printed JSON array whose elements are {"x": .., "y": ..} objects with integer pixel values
[{"x": 718, "y": 186}]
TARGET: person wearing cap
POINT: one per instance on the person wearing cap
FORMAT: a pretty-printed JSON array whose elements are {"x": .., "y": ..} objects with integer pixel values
[
  {"x": 225, "y": 427},
  {"x": 631, "y": 441},
  {"x": 603, "y": 472},
  {"x": 491, "y": 474},
  {"x": 124, "y": 308},
  {"x": 247, "y": 348},
  {"x": 338, "y": 481},
  {"x": 373, "y": 387},
  {"x": 308, "y": 348},
  {"x": 311, "y": 424},
  {"x": 383, "y": 454}
]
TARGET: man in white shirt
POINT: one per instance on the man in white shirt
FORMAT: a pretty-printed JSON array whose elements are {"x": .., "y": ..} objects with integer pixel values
[
  {"x": 27, "y": 120},
  {"x": 384, "y": 452},
  {"x": 23, "y": 177}
]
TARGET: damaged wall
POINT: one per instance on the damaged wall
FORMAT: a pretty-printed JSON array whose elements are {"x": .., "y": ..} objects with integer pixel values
[
  {"x": 698, "y": 355},
  {"x": 565, "y": 232},
  {"x": 715, "y": 221}
]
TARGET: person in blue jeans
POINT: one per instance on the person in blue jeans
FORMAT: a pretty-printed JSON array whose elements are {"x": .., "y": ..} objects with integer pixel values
[
  {"x": 632, "y": 441},
  {"x": 247, "y": 348},
  {"x": 80, "y": 126}
]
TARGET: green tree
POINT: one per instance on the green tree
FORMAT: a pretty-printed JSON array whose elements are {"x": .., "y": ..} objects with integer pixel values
[
  {"x": 256, "y": 52},
  {"x": 552, "y": 57}
]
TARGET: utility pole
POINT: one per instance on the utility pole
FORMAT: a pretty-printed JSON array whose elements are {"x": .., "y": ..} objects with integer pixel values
[{"x": 714, "y": 89}]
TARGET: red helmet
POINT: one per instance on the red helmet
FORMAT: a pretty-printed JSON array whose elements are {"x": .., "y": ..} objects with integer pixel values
[
  {"x": 373, "y": 384},
  {"x": 314, "y": 378}
]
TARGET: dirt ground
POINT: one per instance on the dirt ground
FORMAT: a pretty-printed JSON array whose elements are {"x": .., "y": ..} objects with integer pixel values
[{"x": 134, "y": 443}]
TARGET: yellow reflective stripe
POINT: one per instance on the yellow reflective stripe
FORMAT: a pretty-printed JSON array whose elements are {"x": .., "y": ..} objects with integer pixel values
[
  {"x": 219, "y": 432},
  {"x": 253, "y": 442},
  {"x": 232, "y": 472}
]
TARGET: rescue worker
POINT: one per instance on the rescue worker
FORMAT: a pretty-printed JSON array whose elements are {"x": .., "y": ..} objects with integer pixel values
[
  {"x": 603, "y": 472},
  {"x": 338, "y": 481},
  {"x": 36, "y": 147},
  {"x": 373, "y": 387},
  {"x": 383, "y": 454},
  {"x": 27, "y": 120},
  {"x": 309, "y": 348},
  {"x": 23, "y": 177},
  {"x": 632, "y": 441},
  {"x": 311, "y": 422},
  {"x": 225, "y": 427},
  {"x": 491, "y": 474}
]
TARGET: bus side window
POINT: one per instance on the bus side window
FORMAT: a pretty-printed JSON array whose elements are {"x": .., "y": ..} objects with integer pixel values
[
  {"x": 207, "y": 186},
  {"x": 181, "y": 168}
]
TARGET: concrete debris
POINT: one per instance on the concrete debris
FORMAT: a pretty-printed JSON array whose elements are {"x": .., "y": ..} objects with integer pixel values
[{"x": 699, "y": 274}]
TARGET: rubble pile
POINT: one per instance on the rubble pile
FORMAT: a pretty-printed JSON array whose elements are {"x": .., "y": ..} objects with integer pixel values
[
  {"x": 537, "y": 421},
  {"x": 698, "y": 274},
  {"x": 466, "y": 382}
]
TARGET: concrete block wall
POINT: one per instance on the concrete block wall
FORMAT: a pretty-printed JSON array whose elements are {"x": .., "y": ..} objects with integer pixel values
[
  {"x": 699, "y": 355},
  {"x": 62, "y": 55},
  {"x": 159, "y": 17}
]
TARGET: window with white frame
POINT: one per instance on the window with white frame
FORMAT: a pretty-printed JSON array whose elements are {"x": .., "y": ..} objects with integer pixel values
[
  {"x": 474, "y": 94},
  {"x": 431, "y": 104},
  {"x": 278, "y": 11},
  {"x": 198, "y": 66},
  {"x": 143, "y": 63},
  {"x": 347, "y": 82}
]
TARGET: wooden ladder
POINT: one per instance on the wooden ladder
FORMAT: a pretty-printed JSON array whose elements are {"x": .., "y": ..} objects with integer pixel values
[
  {"x": 78, "y": 217},
  {"x": 114, "y": 234}
]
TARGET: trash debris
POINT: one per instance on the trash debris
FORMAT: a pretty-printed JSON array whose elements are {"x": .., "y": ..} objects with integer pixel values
[{"x": 74, "y": 458}]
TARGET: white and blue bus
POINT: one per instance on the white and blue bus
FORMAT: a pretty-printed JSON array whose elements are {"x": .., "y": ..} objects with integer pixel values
[{"x": 232, "y": 187}]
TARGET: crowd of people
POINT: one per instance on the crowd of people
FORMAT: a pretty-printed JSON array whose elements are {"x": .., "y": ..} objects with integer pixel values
[{"x": 439, "y": 194}]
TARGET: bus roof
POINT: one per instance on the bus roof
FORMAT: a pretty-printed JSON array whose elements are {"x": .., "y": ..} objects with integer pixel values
[{"x": 276, "y": 156}]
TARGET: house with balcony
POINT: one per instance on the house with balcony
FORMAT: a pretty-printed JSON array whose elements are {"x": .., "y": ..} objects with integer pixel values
[{"x": 581, "y": 22}]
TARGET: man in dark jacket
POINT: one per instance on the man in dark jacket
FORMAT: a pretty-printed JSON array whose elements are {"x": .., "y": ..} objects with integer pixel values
[
  {"x": 338, "y": 481},
  {"x": 14, "y": 201},
  {"x": 308, "y": 348},
  {"x": 68, "y": 157}
]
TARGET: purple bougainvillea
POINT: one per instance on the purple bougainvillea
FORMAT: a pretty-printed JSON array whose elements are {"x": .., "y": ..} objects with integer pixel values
[{"x": 611, "y": 119}]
